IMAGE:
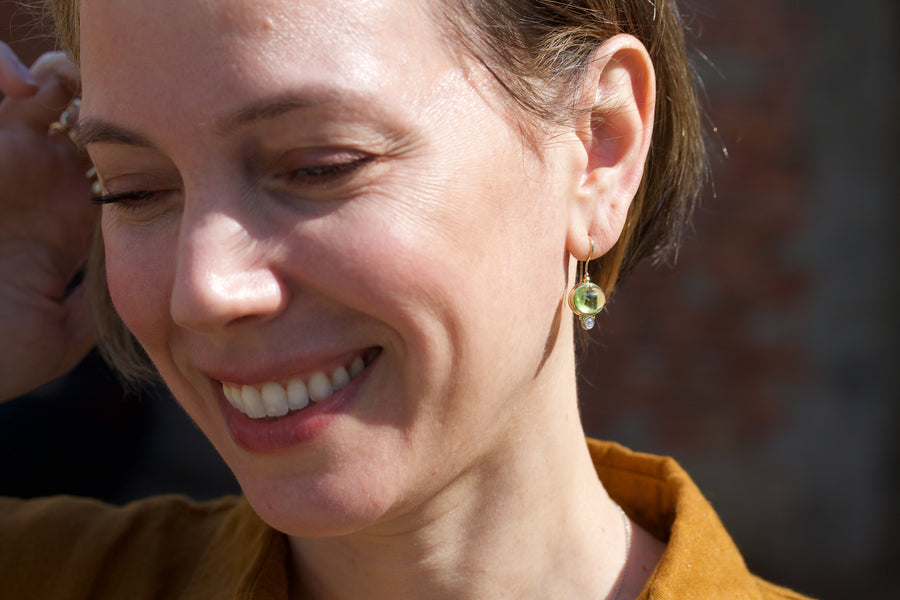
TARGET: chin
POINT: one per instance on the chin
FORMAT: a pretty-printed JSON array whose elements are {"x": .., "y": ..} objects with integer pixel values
[{"x": 333, "y": 504}]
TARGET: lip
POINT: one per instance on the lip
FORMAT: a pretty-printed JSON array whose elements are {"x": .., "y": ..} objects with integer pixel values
[{"x": 295, "y": 429}]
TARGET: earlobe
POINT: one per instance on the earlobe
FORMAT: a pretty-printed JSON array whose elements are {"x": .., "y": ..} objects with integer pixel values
[{"x": 619, "y": 96}]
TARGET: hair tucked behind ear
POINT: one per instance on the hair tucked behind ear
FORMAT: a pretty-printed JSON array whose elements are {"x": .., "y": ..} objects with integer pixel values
[{"x": 538, "y": 51}]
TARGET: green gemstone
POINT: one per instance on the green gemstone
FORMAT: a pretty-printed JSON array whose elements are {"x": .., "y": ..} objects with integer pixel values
[{"x": 588, "y": 299}]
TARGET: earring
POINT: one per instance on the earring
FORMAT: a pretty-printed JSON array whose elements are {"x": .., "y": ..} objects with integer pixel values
[{"x": 586, "y": 299}]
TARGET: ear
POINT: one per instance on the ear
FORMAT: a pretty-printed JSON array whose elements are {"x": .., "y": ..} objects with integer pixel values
[{"x": 619, "y": 95}]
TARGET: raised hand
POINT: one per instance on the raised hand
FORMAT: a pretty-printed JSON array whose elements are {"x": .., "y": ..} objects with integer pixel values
[{"x": 46, "y": 224}]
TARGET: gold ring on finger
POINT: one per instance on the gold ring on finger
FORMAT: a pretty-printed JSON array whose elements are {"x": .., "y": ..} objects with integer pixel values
[
  {"x": 62, "y": 128},
  {"x": 64, "y": 124}
]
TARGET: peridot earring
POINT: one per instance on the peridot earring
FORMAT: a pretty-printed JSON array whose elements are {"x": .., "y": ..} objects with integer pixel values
[{"x": 586, "y": 299}]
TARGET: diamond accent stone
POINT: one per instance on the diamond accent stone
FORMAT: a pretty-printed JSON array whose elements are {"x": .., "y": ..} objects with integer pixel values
[{"x": 588, "y": 322}]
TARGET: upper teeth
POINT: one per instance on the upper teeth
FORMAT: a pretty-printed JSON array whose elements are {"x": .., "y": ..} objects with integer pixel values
[{"x": 271, "y": 399}]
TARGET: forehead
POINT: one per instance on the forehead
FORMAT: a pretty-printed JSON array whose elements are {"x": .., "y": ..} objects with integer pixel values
[
  {"x": 151, "y": 22},
  {"x": 204, "y": 50}
]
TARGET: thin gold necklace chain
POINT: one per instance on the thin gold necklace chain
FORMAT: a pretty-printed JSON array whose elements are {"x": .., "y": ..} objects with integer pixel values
[{"x": 627, "y": 525}]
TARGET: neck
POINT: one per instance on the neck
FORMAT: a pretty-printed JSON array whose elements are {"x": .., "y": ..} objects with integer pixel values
[{"x": 535, "y": 522}]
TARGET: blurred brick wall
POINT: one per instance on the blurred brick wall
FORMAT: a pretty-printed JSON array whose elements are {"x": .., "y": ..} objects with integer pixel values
[{"x": 764, "y": 361}]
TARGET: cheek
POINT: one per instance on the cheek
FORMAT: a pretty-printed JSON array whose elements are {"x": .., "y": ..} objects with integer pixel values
[{"x": 138, "y": 273}]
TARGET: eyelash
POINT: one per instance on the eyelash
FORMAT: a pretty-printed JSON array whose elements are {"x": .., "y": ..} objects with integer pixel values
[
  {"x": 129, "y": 196},
  {"x": 320, "y": 175},
  {"x": 326, "y": 173}
]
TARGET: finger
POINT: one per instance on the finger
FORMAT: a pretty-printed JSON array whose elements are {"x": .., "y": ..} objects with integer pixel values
[
  {"x": 57, "y": 79},
  {"x": 57, "y": 64},
  {"x": 15, "y": 78}
]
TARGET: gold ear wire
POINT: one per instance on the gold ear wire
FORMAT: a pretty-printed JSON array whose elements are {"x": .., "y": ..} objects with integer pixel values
[{"x": 586, "y": 299}]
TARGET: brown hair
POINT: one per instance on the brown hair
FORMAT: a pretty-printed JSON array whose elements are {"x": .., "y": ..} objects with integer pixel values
[{"x": 537, "y": 51}]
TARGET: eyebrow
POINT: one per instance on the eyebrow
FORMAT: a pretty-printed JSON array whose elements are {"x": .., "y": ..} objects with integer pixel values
[
  {"x": 270, "y": 108},
  {"x": 94, "y": 131}
]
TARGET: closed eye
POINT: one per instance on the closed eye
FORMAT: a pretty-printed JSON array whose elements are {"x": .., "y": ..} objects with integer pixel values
[
  {"x": 126, "y": 197},
  {"x": 324, "y": 174}
]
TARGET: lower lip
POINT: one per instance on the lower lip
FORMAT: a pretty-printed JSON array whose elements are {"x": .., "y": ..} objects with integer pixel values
[{"x": 295, "y": 429}]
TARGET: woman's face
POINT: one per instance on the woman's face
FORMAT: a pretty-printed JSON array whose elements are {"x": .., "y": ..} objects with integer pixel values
[{"x": 314, "y": 185}]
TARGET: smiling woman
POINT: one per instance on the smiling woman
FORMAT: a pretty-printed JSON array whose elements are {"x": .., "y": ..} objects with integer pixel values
[{"x": 343, "y": 235}]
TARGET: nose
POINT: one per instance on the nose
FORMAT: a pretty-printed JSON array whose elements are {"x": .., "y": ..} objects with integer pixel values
[{"x": 223, "y": 275}]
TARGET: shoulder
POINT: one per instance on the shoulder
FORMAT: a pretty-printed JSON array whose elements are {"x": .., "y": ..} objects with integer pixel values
[
  {"x": 700, "y": 560},
  {"x": 80, "y": 512},
  {"x": 31, "y": 524},
  {"x": 67, "y": 547}
]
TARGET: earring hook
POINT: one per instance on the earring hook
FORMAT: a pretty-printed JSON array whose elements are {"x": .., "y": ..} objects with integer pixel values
[{"x": 585, "y": 276}]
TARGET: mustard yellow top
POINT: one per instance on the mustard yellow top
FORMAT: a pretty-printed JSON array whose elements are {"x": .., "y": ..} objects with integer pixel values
[{"x": 170, "y": 547}]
